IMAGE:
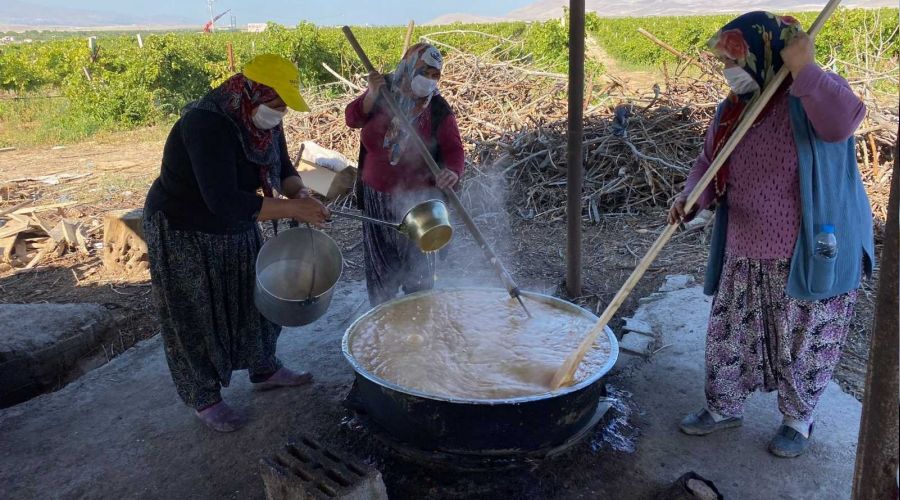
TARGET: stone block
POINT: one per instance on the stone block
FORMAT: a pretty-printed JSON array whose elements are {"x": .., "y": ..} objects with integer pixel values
[
  {"x": 676, "y": 282},
  {"x": 636, "y": 343},
  {"x": 637, "y": 325},
  {"x": 41, "y": 343}
]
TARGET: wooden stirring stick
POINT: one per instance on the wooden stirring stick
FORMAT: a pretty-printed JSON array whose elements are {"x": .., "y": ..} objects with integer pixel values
[{"x": 566, "y": 373}]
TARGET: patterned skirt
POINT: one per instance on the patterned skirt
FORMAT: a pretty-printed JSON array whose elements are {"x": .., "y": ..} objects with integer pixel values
[
  {"x": 760, "y": 338},
  {"x": 393, "y": 262},
  {"x": 203, "y": 288}
]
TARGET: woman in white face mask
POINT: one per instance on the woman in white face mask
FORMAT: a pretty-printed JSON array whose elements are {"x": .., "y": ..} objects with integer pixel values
[
  {"x": 783, "y": 297},
  {"x": 393, "y": 176},
  {"x": 200, "y": 223}
]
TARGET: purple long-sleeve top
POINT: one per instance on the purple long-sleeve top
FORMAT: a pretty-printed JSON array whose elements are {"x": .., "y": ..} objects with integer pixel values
[{"x": 763, "y": 178}]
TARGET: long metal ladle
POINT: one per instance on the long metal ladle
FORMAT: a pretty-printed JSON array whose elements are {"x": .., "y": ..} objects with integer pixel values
[{"x": 426, "y": 224}]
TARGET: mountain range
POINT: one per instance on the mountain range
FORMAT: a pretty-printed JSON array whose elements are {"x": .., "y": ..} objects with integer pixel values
[
  {"x": 15, "y": 13},
  {"x": 549, "y": 9},
  {"x": 30, "y": 14}
]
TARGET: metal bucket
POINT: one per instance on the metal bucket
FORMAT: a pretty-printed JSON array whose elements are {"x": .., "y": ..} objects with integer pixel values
[
  {"x": 481, "y": 427},
  {"x": 296, "y": 273}
]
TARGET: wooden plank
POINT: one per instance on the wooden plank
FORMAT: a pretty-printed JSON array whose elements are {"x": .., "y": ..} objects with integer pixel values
[
  {"x": 20, "y": 218},
  {"x": 47, "y": 248},
  {"x": 44, "y": 208},
  {"x": 69, "y": 231},
  {"x": 13, "y": 228},
  {"x": 13, "y": 208},
  {"x": 81, "y": 239},
  {"x": 37, "y": 221},
  {"x": 20, "y": 251},
  {"x": 7, "y": 245}
]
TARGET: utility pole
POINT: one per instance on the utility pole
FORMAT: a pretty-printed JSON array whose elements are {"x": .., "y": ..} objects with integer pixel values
[{"x": 212, "y": 23}]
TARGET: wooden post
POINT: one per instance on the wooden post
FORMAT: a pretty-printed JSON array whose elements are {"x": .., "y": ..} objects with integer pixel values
[
  {"x": 575, "y": 148},
  {"x": 229, "y": 49},
  {"x": 671, "y": 49},
  {"x": 140, "y": 41},
  {"x": 409, "y": 33},
  {"x": 94, "y": 48},
  {"x": 124, "y": 247}
]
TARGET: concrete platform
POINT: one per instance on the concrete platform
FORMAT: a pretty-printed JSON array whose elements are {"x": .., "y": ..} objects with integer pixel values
[
  {"x": 40, "y": 344},
  {"x": 121, "y": 432},
  {"x": 736, "y": 460}
]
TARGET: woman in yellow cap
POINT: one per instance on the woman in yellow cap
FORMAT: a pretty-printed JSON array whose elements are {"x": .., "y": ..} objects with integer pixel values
[{"x": 200, "y": 223}]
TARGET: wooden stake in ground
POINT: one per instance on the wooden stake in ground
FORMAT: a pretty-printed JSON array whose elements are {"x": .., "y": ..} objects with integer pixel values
[
  {"x": 408, "y": 39},
  {"x": 566, "y": 373},
  {"x": 229, "y": 52},
  {"x": 124, "y": 247}
]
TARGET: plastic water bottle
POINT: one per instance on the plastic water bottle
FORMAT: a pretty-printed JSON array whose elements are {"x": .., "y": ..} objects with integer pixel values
[{"x": 826, "y": 243}]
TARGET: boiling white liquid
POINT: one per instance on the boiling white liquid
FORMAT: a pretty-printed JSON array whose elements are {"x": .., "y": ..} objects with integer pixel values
[{"x": 473, "y": 344}]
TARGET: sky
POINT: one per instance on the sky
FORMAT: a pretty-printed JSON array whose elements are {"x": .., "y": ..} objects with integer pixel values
[{"x": 356, "y": 12}]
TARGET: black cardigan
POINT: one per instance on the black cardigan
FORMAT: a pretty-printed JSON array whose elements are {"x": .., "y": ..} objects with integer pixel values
[{"x": 206, "y": 182}]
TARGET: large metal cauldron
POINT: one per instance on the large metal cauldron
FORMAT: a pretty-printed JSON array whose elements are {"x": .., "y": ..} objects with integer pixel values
[{"x": 498, "y": 427}]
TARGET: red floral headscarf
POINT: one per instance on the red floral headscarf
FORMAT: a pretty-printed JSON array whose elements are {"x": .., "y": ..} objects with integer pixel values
[{"x": 236, "y": 99}]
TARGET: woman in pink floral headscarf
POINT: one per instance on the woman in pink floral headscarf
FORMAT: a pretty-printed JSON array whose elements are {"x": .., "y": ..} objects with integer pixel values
[
  {"x": 777, "y": 321},
  {"x": 394, "y": 176}
]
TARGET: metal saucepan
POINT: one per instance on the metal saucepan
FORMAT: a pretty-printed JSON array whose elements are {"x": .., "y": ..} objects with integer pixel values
[
  {"x": 427, "y": 224},
  {"x": 296, "y": 272}
]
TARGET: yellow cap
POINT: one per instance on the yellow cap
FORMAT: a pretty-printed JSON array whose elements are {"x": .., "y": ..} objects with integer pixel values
[{"x": 280, "y": 74}]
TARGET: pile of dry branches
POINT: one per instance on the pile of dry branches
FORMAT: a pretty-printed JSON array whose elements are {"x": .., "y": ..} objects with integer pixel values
[{"x": 638, "y": 146}]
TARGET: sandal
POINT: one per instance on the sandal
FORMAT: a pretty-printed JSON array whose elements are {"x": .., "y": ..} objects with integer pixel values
[{"x": 221, "y": 418}]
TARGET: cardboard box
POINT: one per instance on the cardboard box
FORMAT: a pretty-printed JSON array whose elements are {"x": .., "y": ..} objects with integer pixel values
[{"x": 326, "y": 172}]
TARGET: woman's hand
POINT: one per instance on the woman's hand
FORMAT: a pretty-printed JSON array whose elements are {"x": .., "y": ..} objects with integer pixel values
[
  {"x": 308, "y": 210},
  {"x": 303, "y": 192},
  {"x": 676, "y": 213},
  {"x": 447, "y": 179},
  {"x": 376, "y": 84},
  {"x": 293, "y": 187},
  {"x": 799, "y": 52}
]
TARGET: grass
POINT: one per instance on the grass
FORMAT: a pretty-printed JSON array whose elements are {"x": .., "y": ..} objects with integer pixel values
[{"x": 42, "y": 121}]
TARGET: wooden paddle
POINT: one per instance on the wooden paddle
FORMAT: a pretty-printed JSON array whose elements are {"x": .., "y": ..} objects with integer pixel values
[{"x": 566, "y": 373}]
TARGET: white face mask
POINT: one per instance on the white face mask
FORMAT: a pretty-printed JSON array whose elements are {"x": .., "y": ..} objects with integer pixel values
[
  {"x": 265, "y": 117},
  {"x": 423, "y": 86},
  {"x": 740, "y": 81}
]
